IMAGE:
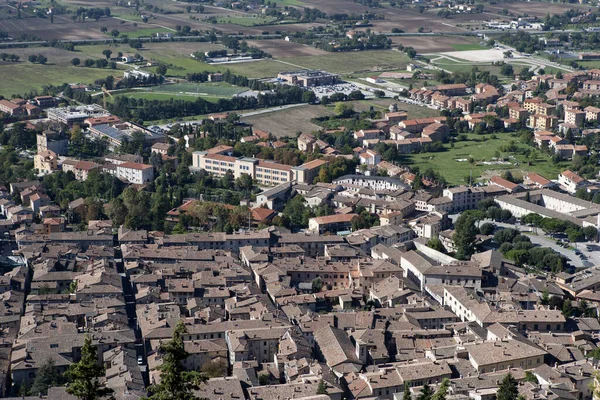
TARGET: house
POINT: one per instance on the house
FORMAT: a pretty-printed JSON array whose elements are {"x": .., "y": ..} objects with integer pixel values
[
  {"x": 575, "y": 117},
  {"x": 135, "y": 173},
  {"x": 45, "y": 162},
  {"x": 591, "y": 113},
  {"x": 570, "y": 181},
  {"x": 369, "y": 157},
  {"x": 537, "y": 181},
  {"x": 331, "y": 223},
  {"x": 336, "y": 350},
  {"x": 81, "y": 169},
  {"x": 509, "y": 186},
  {"x": 436, "y": 132},
  {"x": 161, "y": 148}
]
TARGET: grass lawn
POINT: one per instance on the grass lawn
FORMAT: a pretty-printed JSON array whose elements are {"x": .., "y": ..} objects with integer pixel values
[
  {"x": 23, "y": 76},
  {"x": 455, "y": 171},
  {"x": 217, "y": 89},
  {"x": 246, "y": 21},
  {"x": 468, "y": 46},
  {"x": 351, "y": 62},
  {"x": 136, "y": 94}
]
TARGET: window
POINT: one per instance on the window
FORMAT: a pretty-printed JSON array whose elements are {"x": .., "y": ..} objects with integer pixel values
[{"x": 53, "y": 345}]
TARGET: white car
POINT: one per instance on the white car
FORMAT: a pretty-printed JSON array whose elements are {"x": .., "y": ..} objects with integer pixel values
[{"x": 140, "y": 360}]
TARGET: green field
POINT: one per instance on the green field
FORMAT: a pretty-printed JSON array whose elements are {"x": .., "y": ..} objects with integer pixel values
[
  {"x": 137, "y": 94},
  {"x": 185, "y": 91},
  {"x": 23, "y": 77},
  {"x": 455, "y": 171},
  {"x": 468, "y": 46},
  {"x": 246, "y": 21},
  {"x": 349, "y": 62}
]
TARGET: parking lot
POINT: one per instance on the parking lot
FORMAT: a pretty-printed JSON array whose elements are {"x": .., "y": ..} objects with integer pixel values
[{"x": 345, "y": 88}]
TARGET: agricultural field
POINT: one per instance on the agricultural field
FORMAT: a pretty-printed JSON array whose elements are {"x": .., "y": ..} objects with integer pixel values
[
  {"x": 246, "y": 20},
  {"x": 453, "y": 163},
  {"x": 351, "y": 62},
  {"x": 25, "y": 76},
  {"x": 289, "y": 121}
]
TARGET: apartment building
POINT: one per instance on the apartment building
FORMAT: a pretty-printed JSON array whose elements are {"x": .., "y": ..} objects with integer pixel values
[
  {"x": 45, "y": 162},
  {"x": 218, "y": 161},
  {"x": 135, "y": 173},
  {"x": 575, "y": 117},
  {"x": 543, "y": 122},
  {"x": 591, "y": 113}
]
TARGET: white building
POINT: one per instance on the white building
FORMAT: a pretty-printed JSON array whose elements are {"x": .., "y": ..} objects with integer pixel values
[{"x": 135, "y": 172}]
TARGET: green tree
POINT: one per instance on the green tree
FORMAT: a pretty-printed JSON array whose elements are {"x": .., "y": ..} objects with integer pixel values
[
  {"x": 442, "y": 391},
  {"x": 46, "y": 377},
  {"x": 75, "y": 61},
  {"x": 107, "y": 53},
  {"x": 161, "y": 69},
  {"x": 322, "y": 388},
  {"x": 343, "y": 109},
  {"x": 84, "y": 375},
  {"x": 545, "y": 297},
  {"x": 175, "y": 382},
  {"x": 436, "y": 244},
  {"x": 317, "y": 285},
  {"x": 465, "y": 233},
  {"x": 425, "y": 393},
  {"x": 508, "y": 389},
  {"x": 406, "y": 395},
  {"x": 530, "y": 377}
]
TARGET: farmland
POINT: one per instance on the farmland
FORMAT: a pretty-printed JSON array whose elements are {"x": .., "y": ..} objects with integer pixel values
[{"x": 289, "y": 121}]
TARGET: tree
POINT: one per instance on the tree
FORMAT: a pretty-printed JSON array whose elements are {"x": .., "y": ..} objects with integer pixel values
[
  {"x": 508, "y": 389},
  {"x": 436, "y": 244},
  {"x": 46, "y": 377},
  {"x": 175, "y": 382},
  {"x": 264, "y": 379},
  {"x": 214, "y": 369},
  {"x": 84, "y": 375},
  {"x": 425, "y": 393},
  {"x": 530, "y": 377},
  {"x": 75, "y": 61},
  {"x": 161, "y": 69},
  {"x": 442, "y": 391},
  {"x": 406, "y": 395},
  {"x": 465, "y": 233},
  {"x": 343, "y": 109},
  {"x": 545, "y": 297},
  {"x": 487, "y": 228},
  {"x": 32, "y": 58},
  {"x": 322, "y": 388},
  {"x": 42, "y": 59},
  {"x": 117, "y": 212},
  {"x": 317, "y": 285},
  {"x": 107, "y": 53}
]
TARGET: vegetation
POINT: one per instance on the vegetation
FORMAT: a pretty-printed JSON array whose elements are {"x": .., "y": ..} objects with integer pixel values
[
  {"x": 84, "y": 375},
  {"x": 175, "y": 382}
]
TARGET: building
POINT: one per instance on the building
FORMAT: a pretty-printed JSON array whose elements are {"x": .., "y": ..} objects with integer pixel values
[
  {"x": 265, "y": 172},
  {"x": 12, "y": 109},
  {"x": 52, "y": 141},
  {"x": 75, "y": 115},
  {"x": 571, "y": 181},
  {"x": 80, "y": 169},
  {"x": 331, "y": 223},
  {"x": 161, "y": 148},
  {"x": 591, "y": 113},
  {"x": 575, "y": 117},
  {"x": 45, "y": 162},
  {"x": 45, "y": 101},
  {"x": 115, "y": 133},
  {"x": 308, "y": 78},
  {"x": 543, "y": 122},
  {"x": 135, "y": 173}
]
